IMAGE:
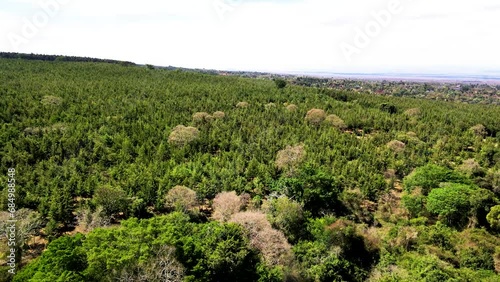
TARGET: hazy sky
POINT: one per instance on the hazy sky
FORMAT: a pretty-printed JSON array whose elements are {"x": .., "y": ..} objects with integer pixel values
[{"x": 296, "y": 35}]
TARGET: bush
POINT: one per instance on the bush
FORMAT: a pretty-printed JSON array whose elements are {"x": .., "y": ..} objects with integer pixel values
[
  {"x": 292, "y": 108},
  {"x": 269, "y": 106},
  {"x": 225, "y": 205},
  {"x": 52, "y": 100},
  {"x": 479, "y": 130},
  {"x": 218, "y": 115},
  {"x": 201, "y": 117},
  {"x": 336, "y": 122},
  {"x": 182, "y": 135},
  {"x": 315, "y": 116},
  {"x": 470, "y": 167},
  {"x": 396, "y": 146},
  {"x": 413, "y": 112},
  {"x": 181, "y": 198},
  {"x": 242, "y": 105}
]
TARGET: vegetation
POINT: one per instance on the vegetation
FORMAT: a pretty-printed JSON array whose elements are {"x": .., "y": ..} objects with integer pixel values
[{"x": 133, "y": 173}]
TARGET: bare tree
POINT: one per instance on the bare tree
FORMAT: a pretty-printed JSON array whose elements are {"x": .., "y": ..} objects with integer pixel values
[{"x": 225, "y": 205}]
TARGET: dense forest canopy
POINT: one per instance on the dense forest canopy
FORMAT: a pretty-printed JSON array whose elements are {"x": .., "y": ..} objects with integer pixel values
[{"x": 133, "y": 173}]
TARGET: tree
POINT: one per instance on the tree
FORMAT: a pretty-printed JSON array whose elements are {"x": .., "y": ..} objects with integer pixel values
[
  {"x": 430, "y": 176},
  {"x": 112, "y": 200},
  {"x": 225, "y": 205},
  {"x": 280, "y": 83},
  {"x": 289, "y": 158},
  {"x": 493, "y": 217},
  {"x": 287, "y": 216},
  {"x": 181, "y": 198},
  {"x": 451, "y": 203}
]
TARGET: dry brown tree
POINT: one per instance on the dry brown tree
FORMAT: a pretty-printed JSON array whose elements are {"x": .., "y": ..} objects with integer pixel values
[
  {"x": 289, "y": 158},
  {"x": 226, "y": 204},
  {"x": 271, "y": 243},
  {"x": 201, "y": 118}
]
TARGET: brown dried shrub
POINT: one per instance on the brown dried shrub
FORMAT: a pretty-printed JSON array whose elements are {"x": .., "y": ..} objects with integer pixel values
[
  {"x": 396, "y": 146},
  {"x": 181, "y": 198},
  {"x": 218, "y": 115},
  {"x": 242, "y": 105},
  {"x": 52, "y": 100},
  {"x": 292, "y": 107},
  {"x": 315, "y": 116},
  {"x": 414, "y": 112},
  {"x": 470, "y": 167},
  {"x": 479, "y": 130},
  {"x": 336, "y": 122},
  {"x": 201, "y": 117},
  {"x": 226, "y": 204},
  {"x": 183, "y": 135},
  {"x": 270, "y": 106}
]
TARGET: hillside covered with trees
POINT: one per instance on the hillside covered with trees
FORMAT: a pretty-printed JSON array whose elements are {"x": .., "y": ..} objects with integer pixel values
[{"x": 130, "y": 173}]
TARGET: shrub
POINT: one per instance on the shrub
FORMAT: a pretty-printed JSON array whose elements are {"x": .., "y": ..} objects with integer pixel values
[
  {"x": 201, "y": 117},
  {"x": 242, "y": 105},
  {"x": 413, "y": 112},
  {"x": 470, "y": 167},
  {"x": 292, "y": 108},
  {"x": 271, "y": 243},
  {"x": 396, "y": 146},
  {"x": 290, "y": 157},
  {"x": 218, "y": 115},
  {"x": 52, "y": 100},
  {"x": 269, "y": 106},
  {"x": 336, "y": 122},
  {"x": 315, "y": 116},
  {"x": 226, "y": 204},
  {"x": 493, "y": 218},
  {"x": 479, "y": 130},
  {"x": 181, "y": 198},
  {"x": 182, "y": 135}
]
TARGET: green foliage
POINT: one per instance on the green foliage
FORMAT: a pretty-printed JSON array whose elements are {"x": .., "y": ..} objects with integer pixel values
[
  {"x": 451, "y": 203},
  {"x": 64, "y": 260},
  {"x": 430, "y": 176},
  {"x": 112, "y": 200},
  {"x": 287, "y": 216},
  {"x": 280, "y": 83},
  {"x": 493, "y": 217}
]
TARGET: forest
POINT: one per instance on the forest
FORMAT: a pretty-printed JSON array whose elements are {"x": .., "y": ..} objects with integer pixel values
[{"x": 135, "y": 173}]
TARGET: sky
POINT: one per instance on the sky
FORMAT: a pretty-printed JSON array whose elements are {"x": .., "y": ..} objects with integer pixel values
[{"x": 348, "y": 36}]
